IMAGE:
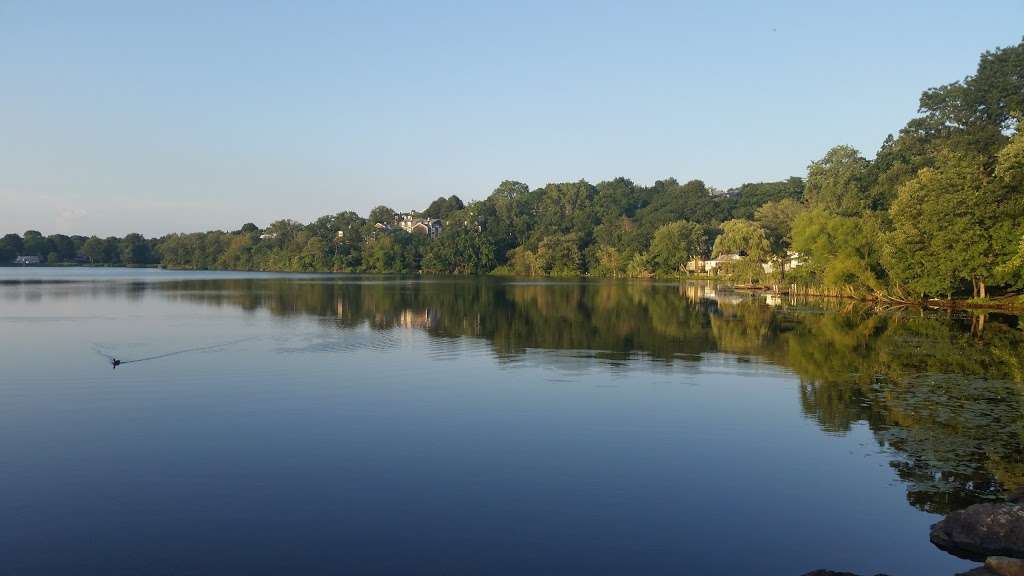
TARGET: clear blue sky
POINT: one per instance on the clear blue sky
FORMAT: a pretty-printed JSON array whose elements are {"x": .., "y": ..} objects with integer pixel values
[{"x": 188, "y": 115}]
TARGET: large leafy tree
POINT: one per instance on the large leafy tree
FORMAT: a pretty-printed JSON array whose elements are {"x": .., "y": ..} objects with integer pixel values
[
  {"x": 839, "y": 252},
  {"x": 10, "y": 247},
  {"x": 668, "y": 201},
  {"x": 777, "y": 220},
  {"x": 746, "y": 199},
  {"x": 954, "y": 223},
  {"x": 566, "y": 209},
  {"x": 560, "y": 255},
  {"x": 674, "y": 244},
  {"x": 382, "y": 215},
  {"x": 459, "y": 250},
  {"x": 838, "y": 182},
  {"x": 135, "y": 250},
  {"x": 990, "y": 99},
  {"x": 514, "y": 206},
  {"x": 62, "y": 246},
  {"x": 747, "y": 239},
  {"x": 34, "y": 244},
  {"x": 442, "y": 207},
  {"x": 93, "y": 249}
]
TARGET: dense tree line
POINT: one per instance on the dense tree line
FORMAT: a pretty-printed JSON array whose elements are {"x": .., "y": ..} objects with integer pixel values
[
  {"x": 938, "y": 212},
  {"x": 132, "y": 250}
]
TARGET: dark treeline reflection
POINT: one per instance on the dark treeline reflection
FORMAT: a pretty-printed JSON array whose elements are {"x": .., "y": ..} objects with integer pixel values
[{"x": 942, "y": 392}]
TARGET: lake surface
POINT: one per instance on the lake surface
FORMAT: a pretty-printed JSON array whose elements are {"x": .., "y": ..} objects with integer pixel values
[{"x": 321, "y": 424}]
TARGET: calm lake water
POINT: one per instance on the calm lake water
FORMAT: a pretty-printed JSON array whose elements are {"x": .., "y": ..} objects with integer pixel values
[{"x": 277, "y": 424}]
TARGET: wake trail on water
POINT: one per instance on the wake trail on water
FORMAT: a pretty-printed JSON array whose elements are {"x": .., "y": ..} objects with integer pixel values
[{"x": 100, "y": 351}]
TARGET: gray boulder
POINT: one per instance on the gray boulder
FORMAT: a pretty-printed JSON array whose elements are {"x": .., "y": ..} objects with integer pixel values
[{"x": 982, "y": 530}]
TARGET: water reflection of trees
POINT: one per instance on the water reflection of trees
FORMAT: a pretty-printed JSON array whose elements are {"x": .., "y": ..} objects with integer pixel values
[
  {"x": 945, "y": 398},
  {"x": 946, "y": 402}
]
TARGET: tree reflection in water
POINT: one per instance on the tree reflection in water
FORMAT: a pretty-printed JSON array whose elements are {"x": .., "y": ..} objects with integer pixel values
[{"x": 942, "y": 394}]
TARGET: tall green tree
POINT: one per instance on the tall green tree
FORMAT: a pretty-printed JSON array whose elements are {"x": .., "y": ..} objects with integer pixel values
[
  {"x": 93, "y": 249},
  {"x": 747, "y": 239},
  {"x": 746, "y": 199},
  {"x": 777, "y": 220},
  {"x": 34, "y": 244},
  {"x": 560, "y": 255},
  {"x": 459, "y": 250},
  {"x": 382, "y": 215},
  {"x": 839, "y": 252},
  {"x": 838, "y": 182},
  {"x": 676, "y": 243},
  {"x": 135, "y": 250},
  {"x": 953, "y": 223}
]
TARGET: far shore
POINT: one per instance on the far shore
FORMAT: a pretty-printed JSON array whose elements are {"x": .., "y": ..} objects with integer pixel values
[{"x": 1012, "y": 303}]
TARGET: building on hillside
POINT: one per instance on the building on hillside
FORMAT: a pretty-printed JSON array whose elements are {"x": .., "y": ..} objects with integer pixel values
[
  {"x": 414, "y": 224},
  {"x": 792, "y": 260},
  {"x": 28, "y": 260},
  {"x": 711, "y": 266}
]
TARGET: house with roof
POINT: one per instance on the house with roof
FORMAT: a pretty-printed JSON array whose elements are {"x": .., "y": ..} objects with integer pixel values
[
  {"x": 789, "y": 261},
  {"x": 28, "y": 260},
  {"x": 414, "y": 224},
  {"x": 711, "y": 265}
]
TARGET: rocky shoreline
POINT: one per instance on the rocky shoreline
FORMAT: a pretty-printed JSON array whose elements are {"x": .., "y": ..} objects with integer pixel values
[{"x": 991, "y": 532}]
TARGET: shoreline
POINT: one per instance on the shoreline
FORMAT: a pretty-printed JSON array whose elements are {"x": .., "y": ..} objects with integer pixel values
[{"x": 877, "y": 299}]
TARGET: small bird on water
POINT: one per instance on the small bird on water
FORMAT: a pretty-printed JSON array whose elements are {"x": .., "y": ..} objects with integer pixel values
[{"x": 114, "y": 363}]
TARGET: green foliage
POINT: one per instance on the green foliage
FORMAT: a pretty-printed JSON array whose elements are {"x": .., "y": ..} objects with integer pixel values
[
  {"x": 749, "y": 197},
  {"x": 838, "y": 182},
  {"x": 777, "y": 220},
  {"x": 382, "y": 215},
  {"x": 560, "y": 255},
  {"x": 839, "y": 251},
  {"x": 521, "y": 262},
  {"x": 638, "y": 266},
  {"x": 459, "y": 250},
  {"x": 34, "y": 244},
  {"x": 748, "y": 240},
  {"x": 1010, "y": 163},
  {"x": 608, "y": 262},
  {"x": 135, "y": 251},
  {"x": 742, "y": 237},
  {"x": 669, "y": 201},
  {"x": 674, "y": 244},
  {"x": 392, "y": 253},
  {"x": 10, "y": 248},
  {"x": 992, "y": 97},
  {"x": 951, "y": 224},
  {"x": 442, "y": 207}
]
